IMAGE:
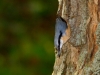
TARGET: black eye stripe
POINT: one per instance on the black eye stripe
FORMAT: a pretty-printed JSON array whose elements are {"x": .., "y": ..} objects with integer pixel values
[{"x": 59, "y": 40}]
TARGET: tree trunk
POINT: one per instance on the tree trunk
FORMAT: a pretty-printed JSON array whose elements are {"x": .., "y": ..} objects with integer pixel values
[{"x": 81, "y": 53}]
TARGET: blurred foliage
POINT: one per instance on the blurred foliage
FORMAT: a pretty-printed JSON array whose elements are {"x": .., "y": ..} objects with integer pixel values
[{"x": 26, "y": 36}]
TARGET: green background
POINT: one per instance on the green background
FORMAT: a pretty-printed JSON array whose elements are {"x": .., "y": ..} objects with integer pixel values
[{"x": 26, "y": 36}]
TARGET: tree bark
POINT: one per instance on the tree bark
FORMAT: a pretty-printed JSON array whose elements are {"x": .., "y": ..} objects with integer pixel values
[{"x": 81, "y": 53}]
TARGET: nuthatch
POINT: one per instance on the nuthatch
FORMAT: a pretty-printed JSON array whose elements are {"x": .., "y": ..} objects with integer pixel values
[{"x": 60, "y": 34}]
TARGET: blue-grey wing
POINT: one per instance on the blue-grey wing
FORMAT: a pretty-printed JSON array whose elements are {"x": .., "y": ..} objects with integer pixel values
[{"x": 60, "y": 27}]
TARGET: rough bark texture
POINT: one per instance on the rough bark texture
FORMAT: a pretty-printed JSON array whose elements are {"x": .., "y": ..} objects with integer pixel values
[{"x": 81, "y": 53}]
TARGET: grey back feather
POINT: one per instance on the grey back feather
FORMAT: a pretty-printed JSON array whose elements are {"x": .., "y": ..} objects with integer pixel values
[{"x": 60, "y": 27}]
